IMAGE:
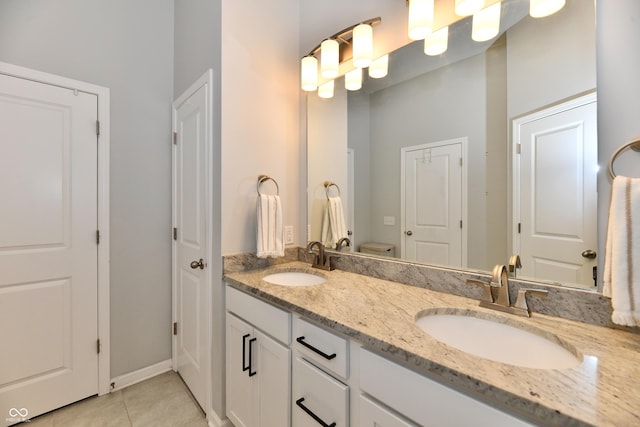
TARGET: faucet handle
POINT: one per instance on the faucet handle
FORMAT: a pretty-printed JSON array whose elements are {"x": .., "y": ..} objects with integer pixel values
[
  {"x": 521, "y": 300},
  {"x": 486, "y": 289}
]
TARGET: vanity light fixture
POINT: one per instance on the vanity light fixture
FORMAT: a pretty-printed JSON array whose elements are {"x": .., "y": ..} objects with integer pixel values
[
  {"x": 362, "y": 45},
  {"x": 309, "y": 73},
  {"x": 379, "y": 68},
  {"x": 353, "y": 79},
  {"x": 329, "y": 58},
  {"x": 325, "y": 90},
  {"x": 437, "y": 42},
  {"x": 421, "y": 14},
  {"x": 486, "y": 23},
  {"x": 542, "y": 8},
  {"x": 468, "y": 7}
]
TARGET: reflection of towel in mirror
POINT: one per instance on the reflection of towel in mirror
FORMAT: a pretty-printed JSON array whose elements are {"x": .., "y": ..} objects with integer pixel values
[
  {"x": 334, "y": 227},
  {"x": 622, "y": 255},
  {"x": 270, "y": 233}
]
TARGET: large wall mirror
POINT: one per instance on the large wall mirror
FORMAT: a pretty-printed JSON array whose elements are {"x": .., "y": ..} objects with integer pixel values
[{"x": 463, "y": 159}]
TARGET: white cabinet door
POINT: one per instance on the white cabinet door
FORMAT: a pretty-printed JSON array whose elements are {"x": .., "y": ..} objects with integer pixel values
[
  {"x": 239, "y": 383},
  {"x": 272, "y": 382}
]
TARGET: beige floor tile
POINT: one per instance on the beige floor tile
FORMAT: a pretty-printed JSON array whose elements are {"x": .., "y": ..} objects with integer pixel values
[{"x": 103, "y": 411}]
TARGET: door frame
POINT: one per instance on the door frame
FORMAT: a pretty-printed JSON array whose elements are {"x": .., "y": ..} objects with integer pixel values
[
  {"x": 518, "y": 123},
  {"x": 205, "y": 80},
  {"x": 103, "y": 95},
  {"x": 463, "y": 141}
]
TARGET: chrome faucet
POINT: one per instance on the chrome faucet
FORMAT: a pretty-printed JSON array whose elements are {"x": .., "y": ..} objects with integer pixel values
[
  {"x": 499, "y": 300},
  {"x": 320, "y": 260},
  {"x": 345, "y": 241}
]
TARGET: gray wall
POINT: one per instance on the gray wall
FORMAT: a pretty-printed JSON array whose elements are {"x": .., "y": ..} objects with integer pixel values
[{"x": 121, "y": 45}]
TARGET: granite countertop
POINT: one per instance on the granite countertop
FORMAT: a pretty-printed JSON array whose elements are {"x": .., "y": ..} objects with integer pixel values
[{"x": 601, "y": 391}]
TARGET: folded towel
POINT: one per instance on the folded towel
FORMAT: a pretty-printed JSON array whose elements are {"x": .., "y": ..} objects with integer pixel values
[
  {"x": 622, "y": 252},
  {"x": 270, "y": 233},
  {"x": 334, "y": 227}
]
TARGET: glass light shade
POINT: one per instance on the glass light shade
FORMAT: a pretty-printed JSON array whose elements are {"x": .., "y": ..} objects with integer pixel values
[
  {"x": 353, "y": 79},
  {"x": 309, "y": 73},
  {"x": 329, "y": 58},
  {"x": 379, "y": 68},
  {"x": 486, "y": 23},
  {"x": 468, "y": 7},
  {"x": 420, "y": 18},
  {"x": 437, "y": 42},
  {"x": 325, "y": 90},
  {"x": 542, "y": 8},
  {"x": 362, "y": 45}
]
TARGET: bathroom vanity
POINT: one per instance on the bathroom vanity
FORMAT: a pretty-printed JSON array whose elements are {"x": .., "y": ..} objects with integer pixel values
[{"x": 350, "y": 353}]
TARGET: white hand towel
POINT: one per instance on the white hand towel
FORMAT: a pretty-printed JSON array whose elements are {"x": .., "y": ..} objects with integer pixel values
[
  {"x": 334, "y": 227},
  {"x": 622, "y": 252},
  {"x": 270, "y": 233}
]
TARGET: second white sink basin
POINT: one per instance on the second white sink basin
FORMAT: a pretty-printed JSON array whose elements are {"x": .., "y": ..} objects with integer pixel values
[
  {"x": 500, "y": 342},
  {"x": 294, "y": 278}
]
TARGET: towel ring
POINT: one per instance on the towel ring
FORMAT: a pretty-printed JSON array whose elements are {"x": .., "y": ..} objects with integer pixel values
[
  {"x": 634, "y": 144},
  {"x": 328, "y": 184},
  {"x": 263, "y": 178}
]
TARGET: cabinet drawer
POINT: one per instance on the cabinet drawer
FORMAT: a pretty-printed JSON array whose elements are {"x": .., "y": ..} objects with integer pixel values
[
  {"x": 316, "y": 393},
  {"x": 321, "y": 347},
  {"x": 423, "y": 400},
  {"x": 268, "y": 318},
  {"x": 374, "y": 415}
]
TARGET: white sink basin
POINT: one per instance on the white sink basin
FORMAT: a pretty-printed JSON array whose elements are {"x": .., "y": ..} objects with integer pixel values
[
  {"x": 500, "y": 342},
  {"x": 294, "y": 278}
]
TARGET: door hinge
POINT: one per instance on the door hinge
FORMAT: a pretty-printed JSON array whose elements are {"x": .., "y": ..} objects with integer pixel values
[
  {"x": 98, "y": 346},
  {"x": 175, "y": 233},
  {"x": 175, "y": 328},
  {"x": 460, "y": 161},
  {"x": 175, "y": 137},
  {"x": 595, "y": 276},
  {"x": 518, "y": 148},
  {"x": 460, "y": 223},
  {"x": 97, "y": 237},
  {"x": 98, "y": 127},
  {"x": 519, "y": 228}
]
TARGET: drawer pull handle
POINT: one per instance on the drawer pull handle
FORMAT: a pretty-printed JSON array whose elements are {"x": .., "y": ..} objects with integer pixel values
[
  {"x": 312, "y": 415},
  {"x": 251, "y": 357},
  {"x": 245, "y": 367},
  {"x": 315, "y": 350}
]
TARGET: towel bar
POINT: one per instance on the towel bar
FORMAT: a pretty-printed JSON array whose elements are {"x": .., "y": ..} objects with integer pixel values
[
  {"x": 263, "y": 178},
  {"x": 634, "y": 144},
  {"x": 328, "y": 184}
]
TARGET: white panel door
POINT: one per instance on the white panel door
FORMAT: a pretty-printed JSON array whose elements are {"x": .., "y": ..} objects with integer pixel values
[
  {"x": 558, "y": 199},
  {"x": 48, "y": 250},
  {"x": 432, "y": 193},
  {"x": 190, "y": 269}
]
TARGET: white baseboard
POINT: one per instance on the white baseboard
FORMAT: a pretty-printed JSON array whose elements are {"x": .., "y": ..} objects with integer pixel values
[
  {"x": 134, "y": 377},
  {"x": 215, "y": 421}
]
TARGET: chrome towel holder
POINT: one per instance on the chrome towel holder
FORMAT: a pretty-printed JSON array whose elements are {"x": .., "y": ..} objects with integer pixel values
[
  {"x": 634, "y": 144},
  {"x": 263, "y": 178},
  {"x": 328, "y": 184}
]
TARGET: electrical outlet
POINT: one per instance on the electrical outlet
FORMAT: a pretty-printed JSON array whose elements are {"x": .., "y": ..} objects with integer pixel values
[
  {"x": 288, "y": 234},
  {"x": 389, "y": 220}
]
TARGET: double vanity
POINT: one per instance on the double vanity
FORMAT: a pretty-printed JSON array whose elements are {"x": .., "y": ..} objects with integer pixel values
[{"x": 313, "y": 347}]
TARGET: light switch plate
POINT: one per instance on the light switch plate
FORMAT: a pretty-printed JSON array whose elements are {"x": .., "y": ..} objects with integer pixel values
[
  {"x": 288, "y": 234},
  {"x": 389, "y": 220}
]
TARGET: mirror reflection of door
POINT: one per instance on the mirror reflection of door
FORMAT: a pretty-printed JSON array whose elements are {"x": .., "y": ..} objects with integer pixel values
[
  {"x": 555, "y": 197},
  {"x": 433, "y": 208}
]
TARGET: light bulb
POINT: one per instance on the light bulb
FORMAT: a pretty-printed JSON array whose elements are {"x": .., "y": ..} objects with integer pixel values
[
  {"x": 436, "y": 42},
  {"x": 329, "y": 58},
  {"x": 420, "y": 18},
  {"x": 325, "y": 90},
  {"x": 362, "y": 45},
  {"x": 353, "y": 79},
  {"x": 486, "y": 23},
  {"x": 468, "y": 7},
  {"x": 309, "y": 73},
  {"x": 379, "y": 68},
  {"x": 542, "y": 8}
]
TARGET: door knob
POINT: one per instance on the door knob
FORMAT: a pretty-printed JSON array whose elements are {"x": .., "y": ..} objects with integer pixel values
[
  {"x": 196, "y": 264},
  {"x": 409, "y": 233},
  {"x": 589, "y": 254}
]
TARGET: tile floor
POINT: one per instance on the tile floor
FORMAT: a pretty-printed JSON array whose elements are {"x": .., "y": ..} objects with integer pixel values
[{"x": 163, "y": 400}]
